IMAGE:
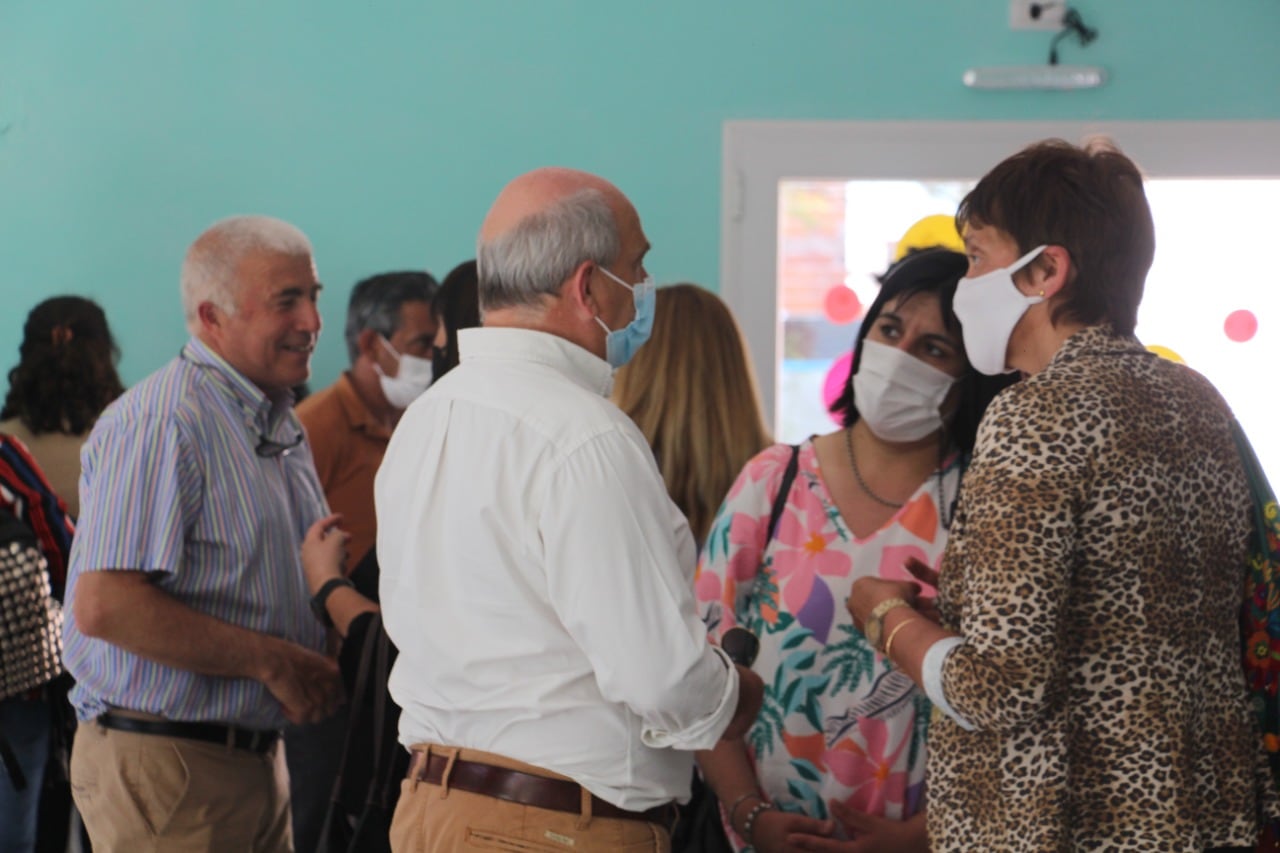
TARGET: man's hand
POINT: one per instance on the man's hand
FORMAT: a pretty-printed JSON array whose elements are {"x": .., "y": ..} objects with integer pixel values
[
  {"x": 324, "y": 552},
  {"x": 750, "y": 698},
  {"x": 305, "y": 683}
]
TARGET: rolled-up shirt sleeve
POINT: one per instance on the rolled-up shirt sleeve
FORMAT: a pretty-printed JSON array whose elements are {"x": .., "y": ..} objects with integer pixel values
[{"x": 615, "y": 548}]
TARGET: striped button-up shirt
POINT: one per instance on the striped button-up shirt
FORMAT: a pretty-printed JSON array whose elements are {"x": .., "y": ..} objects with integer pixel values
[{"x": 186, "y": 476}]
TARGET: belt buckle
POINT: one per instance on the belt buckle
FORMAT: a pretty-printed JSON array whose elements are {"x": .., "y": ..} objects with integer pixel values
[
  {"x": 258, "y": 741},
  {"x": 248, "y": 739}
]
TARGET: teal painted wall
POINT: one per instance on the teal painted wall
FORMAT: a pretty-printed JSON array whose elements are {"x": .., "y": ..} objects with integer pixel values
[{"x": 385, "y": 129}]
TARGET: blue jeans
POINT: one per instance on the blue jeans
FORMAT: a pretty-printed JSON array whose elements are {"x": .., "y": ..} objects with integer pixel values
[{"x": 25, "y": 724}]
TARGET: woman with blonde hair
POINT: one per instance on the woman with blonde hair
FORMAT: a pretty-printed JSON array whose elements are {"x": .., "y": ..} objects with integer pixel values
[{"x": 692, "y": 392}]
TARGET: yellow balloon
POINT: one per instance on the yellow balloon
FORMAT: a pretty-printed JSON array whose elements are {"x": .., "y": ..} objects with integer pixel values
[
  {"x": 1165, "y": 352},
  {"x": 936, "y": 230}
]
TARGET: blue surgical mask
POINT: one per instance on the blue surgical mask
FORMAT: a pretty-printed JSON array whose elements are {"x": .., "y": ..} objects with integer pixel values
[{"x": 621, "y": 344}]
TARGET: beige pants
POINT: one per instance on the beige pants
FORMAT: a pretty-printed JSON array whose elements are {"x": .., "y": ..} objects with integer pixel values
[
  {"x": 435, "y": 819},
  {"x": 141, "y": 793}
]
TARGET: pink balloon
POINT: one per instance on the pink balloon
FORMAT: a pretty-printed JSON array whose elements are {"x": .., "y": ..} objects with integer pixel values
[
  {"x": 842, "y": 305},
  {"x": 835, "y": 383},
  {"x": 1241, "y": 326}
]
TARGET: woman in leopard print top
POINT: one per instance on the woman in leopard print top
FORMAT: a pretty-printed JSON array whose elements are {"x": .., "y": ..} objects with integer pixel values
[{"x": 1087, "y": 669}]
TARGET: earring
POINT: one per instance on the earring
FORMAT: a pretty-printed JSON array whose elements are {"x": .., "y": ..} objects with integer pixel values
[{"x": 1042, "y": 294}]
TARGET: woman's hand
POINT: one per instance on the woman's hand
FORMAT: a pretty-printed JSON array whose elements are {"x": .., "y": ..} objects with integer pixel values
[
  {"x": 776, "y": 831},
  {"x": 870, "y": 834},
  {"x": 922, "y": 572},
  {"x": 324, "y": 552},
  {"x": 869, "y": 593}
]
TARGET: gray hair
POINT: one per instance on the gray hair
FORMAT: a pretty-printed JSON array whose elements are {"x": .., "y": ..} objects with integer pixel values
[
  {"x": 209, "y": 269},
  {"x": 375, "y": 304},
  {"x": 532, "y": 259}
]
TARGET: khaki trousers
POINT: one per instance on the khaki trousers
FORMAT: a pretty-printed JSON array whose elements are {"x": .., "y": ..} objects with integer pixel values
[
  {"x": 143, "y": 793},
  {"x": 435, "y": 819}
]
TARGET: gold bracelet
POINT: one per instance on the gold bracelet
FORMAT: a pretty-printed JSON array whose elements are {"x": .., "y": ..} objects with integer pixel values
[
  {"x": 888, "y": 644},
  {"x": 874, "y": 628}
]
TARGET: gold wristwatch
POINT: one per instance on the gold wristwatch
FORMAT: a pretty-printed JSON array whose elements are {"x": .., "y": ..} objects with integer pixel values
[{"x": 874, "y": 629}]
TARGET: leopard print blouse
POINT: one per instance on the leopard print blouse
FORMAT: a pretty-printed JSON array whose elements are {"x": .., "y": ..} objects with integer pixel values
[{"x": 1095, "y": 571}]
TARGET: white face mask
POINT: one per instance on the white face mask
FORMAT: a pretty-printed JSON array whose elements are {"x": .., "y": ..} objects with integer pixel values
[
  {"x": 988, "y": 307},
  {"x": 898, "y": 395},
  {"x": 412, "y": 377}
]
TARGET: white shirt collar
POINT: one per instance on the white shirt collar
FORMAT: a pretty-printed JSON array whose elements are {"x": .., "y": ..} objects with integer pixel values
[{"x": 526, "y": 345}]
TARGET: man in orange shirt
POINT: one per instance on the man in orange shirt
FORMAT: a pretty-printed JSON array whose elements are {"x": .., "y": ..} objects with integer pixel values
[{"x": 390, "y": 332}]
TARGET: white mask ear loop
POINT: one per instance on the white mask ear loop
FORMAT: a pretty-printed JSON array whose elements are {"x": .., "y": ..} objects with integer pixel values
[
  {"x": 386, "y": 345},
  {"x": 1026, "y": 261}
]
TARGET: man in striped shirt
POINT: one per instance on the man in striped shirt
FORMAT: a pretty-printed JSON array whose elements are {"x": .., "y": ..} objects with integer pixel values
[{"x": 187, "y": 628}]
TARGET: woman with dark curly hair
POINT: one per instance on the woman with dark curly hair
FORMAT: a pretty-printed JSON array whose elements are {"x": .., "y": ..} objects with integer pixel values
[{"x": 65, "y": 376}]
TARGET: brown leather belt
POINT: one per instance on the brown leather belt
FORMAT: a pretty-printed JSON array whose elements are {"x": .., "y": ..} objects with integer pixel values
[{"x": 515, "y": 786}]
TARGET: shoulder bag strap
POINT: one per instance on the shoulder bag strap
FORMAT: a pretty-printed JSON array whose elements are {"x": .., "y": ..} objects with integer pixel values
[
  {"x": 784, "y": 492},
  {"x": 385, "y": 763},
  {"x": 775, "y": 514},
  {"x": 353, "y": 723}
]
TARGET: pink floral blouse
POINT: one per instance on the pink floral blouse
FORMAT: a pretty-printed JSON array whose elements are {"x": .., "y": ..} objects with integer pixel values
[{"x": 839, "y": 721}]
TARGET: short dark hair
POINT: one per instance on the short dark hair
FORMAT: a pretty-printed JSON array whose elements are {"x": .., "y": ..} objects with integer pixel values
[
  {"x": 375, "y": 303},
  {"x": 1090, "y": 201},
  {"x": 457, "y": 306},
  {"x": 927, "y": 271},
  {"x": 63, "y": 385}
]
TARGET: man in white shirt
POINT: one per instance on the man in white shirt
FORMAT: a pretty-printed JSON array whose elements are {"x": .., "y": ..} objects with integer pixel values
[{"x": 553, "y": 673}]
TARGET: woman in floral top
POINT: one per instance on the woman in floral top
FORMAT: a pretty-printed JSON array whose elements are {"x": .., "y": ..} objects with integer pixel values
[{"x": 838, "y": 749}]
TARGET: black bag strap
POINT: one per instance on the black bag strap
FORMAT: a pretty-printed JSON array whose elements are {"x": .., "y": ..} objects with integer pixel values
[
  {"x": 784, "y": 492},
  {"x": 333, "y": 812},
  {"x": 779, "y": 504},
  {"x": 14, "y": 529},
  {"x": 10, "y": 761},
  {"x": 384, "y": 764},
  {"x": 374, "y": 817}
]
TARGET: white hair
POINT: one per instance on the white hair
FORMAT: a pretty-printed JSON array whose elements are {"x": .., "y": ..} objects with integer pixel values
[
  {"x": 533, "y": 258},
  {"x": 209, "y": 269}
]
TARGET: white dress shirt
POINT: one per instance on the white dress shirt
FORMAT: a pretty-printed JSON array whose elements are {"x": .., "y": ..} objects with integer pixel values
[{"x": 537, "y": 579}]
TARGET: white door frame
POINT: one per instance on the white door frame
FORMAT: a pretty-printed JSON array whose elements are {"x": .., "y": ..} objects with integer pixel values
[{"x": 757, "y": 155}]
